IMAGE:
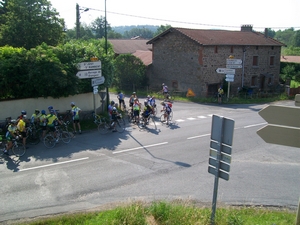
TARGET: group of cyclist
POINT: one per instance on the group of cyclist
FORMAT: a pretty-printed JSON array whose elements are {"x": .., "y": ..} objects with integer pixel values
[{"x": 16, "y": 128}]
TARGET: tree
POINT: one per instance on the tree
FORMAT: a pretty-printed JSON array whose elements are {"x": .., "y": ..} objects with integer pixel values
[
  {"x": 285, "y": 36},
  {"x": 141, "y": 32},
  {"x": 130, "y": 72},
  {"x": 271, "y": 33},
  {"x": 98, "y": 27},
  {"x": 161, "y": 29},
  {"x": 30, "y": 23},
  {"x": 295, "y": 40}
]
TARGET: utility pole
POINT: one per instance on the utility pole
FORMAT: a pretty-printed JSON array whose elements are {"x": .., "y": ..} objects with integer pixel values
[{"x": 77, "y": 22}]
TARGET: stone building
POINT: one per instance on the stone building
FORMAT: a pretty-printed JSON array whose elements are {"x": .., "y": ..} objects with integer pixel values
[{"x": 188, "y": 58}]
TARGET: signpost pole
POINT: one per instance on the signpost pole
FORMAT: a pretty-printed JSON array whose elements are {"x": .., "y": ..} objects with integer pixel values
[
  {"x": 216, "y": 184},
  {"x": 228, "y": 90}
]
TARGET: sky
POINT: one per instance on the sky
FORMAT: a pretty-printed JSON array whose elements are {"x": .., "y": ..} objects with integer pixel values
[{"x": 196, "y": 14}]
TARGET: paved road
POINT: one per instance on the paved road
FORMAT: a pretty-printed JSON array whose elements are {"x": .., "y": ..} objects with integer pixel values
[{"x": 158, "y": 163}]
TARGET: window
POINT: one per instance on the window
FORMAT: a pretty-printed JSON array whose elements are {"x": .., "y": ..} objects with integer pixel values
[
  {"x": 253, "y": 80},
  {"x": 272, "y": 60},
  {"x": 216, "y": 49},
  {"x": 231, "y": 49},
  {"x": 255, "y": 61},
  {"x": 174, "y": 84},
  {"x": 256, "y": 47}
]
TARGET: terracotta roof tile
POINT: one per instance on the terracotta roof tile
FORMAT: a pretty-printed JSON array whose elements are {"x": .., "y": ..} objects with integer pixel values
[
  {"x": 145, "y": 56},
  {"x": 129, "y": 46},
  {"x": 223, "y": 37}
]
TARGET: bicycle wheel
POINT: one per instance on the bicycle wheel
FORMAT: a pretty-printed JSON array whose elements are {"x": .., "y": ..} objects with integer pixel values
[
  {"x": 33, "y": 137},
  {"x": 103, "y": 128},
  {"x": 130, "y": 115},
  {"x": 18, "y": 149},
  {"x": 65, "y": 137},
  {"x": 171, "y": 116},
  {"x": 49, "y": 141},
  {"x": 142, "y": 123},
  {"x": 162, "y": 118},
  {"x": 120, "y": 126},
  {"x": 154, "y": 110}
]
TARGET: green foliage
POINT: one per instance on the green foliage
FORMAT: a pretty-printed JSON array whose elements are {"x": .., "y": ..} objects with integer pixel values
[
  {"x": 161, "y": 29},
  {"x": 285, "y": 36},
  {"x": 50, "y": 71},
  {"x": 141, "y": 32},
  {"x": 130, "y": 72},
  {"x": 291, "y": 51},
  {"x": 30, "y": 23}
]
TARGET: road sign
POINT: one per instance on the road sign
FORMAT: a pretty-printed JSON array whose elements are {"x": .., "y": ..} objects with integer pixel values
[
  {"x": 283, "y": 127},
  {"x": 226, "y": 135},
  {"x": 95, "y": 89},
  {"x": 224, "y": 157},
  {"x": 97, "y": 81},
  {"x": 88, "y": 74},
  {"x": 223, "y": 166},
  {"x": 221, "y": 173},
  {"x": 281, "y": 115},
  {"x": 233, "y": 66},
  {"x": 225, "y": 70},
  {"x": 224, "y": 148},
  {"x": 297, "y": 100},
  {"x": 89, "y": 65},
  {"x": 280, "y": 135},
  {"x": 234, "y": 61}
]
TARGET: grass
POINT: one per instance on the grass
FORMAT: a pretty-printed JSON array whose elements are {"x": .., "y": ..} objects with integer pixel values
[{"x": 172, "y": 213}]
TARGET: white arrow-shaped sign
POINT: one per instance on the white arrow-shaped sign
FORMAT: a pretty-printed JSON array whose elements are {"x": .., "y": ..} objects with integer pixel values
[
  {"x": 234, "y": 61},
  {"x": 88, "y": 74},
  {"x": 97, "y": 81},
  {"x": 225, "y": 70},
  {"x": 89, "y": 65}
]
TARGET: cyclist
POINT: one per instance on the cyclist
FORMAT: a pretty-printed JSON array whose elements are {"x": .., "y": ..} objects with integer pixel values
[
  {"x": 51, "y": 108},
  {"x": 21, "y": 126},
  {"x": 114, "y": 118},
  {"x": 52, "y": 120},
  {"x": 167, "y": 108},
  {"x": 165, "y": 91},
  {"x": 121, "y": 98},
  {"x": 75, "y": 116},
  {"x": 43, "y": 122},
  {"x": 148, "y": 110},
  {"x": 35, "y": 117},
  {"x": 110, "y": 108},
  {"x": 11, "y": 134},
  {"x": 220, "y": 94},
  {"x": 131, "y": 99},
  {"x": 23, "y": 115},
  {"x": 136, "y": 110}
]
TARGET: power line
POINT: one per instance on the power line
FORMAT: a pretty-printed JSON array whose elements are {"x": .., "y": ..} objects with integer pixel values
[{"x": 191, "y": 23}]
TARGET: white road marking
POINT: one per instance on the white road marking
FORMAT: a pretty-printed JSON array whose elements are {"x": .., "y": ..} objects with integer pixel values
[
  {"x": 203, "y": 135},
  {"x": 201, "y": 117},
  {"x": 191, "y": 118},
  {"x": 145, "y": 146},
  {"x": 180, "y": 120},
  {"x": 54, "y": 164},
  {"x": 255, "y": 125}
]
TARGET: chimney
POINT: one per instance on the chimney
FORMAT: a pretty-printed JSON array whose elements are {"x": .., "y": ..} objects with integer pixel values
[
  {"x": 266, "y": 33},
  {"x": 246, "y": 28}
]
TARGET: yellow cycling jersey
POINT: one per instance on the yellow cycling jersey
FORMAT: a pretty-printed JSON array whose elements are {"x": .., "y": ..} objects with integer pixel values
[
  {"x": 51, "y": 118},
  {"x": 21, "y": 125}
]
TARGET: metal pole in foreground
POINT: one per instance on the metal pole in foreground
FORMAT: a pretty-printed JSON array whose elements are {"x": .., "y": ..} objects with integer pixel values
[
  {"x": 298, "y": 214},
  {"x": 105, "y": 32},
  {"x": 215, "y": 194}
]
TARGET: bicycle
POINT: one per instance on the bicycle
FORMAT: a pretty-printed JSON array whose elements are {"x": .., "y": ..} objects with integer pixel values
[
  {"x": 52, "y": 138},
  {"x": 106, "y": 126},
  {"x": 33, "y": 134},
  {"x": 66, "y": 120},
  {"x": 144, "y": 121},
  {"x": 18, "y": 148},
  {"x": 168, "y": 116}
]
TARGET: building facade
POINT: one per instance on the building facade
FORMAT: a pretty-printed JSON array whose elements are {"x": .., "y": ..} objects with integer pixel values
[{"x": 189, "y": 58}]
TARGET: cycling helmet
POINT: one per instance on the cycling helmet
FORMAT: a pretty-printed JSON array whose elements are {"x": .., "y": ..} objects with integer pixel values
[
  {"x": 37, "y": 111},
  {"x": 43, "y": 112},
  {"x": 112, "y": 102},
  {"x": 13, "y": 121},
  {"x": 114, "y": 109},
  {"x": 145, "y": 102},
  {"x": 162, "y": 84},
  {"x": 148, "y": 96},
  {"x": 162, "y": 103},
  {"x": 50, "y": 107},
  {"x": 72, "y": 103},
  {"x": 133, "y": 93},
  {"x": 23, "y": 112}
]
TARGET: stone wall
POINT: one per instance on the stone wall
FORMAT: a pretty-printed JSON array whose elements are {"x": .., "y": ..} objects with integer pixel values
[
  {"x": 182, "y": 63},
  {"x": 13, "y": 108}
]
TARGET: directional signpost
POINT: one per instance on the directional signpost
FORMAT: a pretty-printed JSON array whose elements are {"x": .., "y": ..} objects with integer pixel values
[
  {"x": 88, "y": 74},
  {"x": 225, "y": 71},
  {"x": 97, "y": 81},
  {"x": 89, "y": 65},
  {"x": 234, "y": 63},
  {"x": 229, "y": 77},
  {"x": 220, "y": 153},
  {"x": 283, "y": 126}
]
